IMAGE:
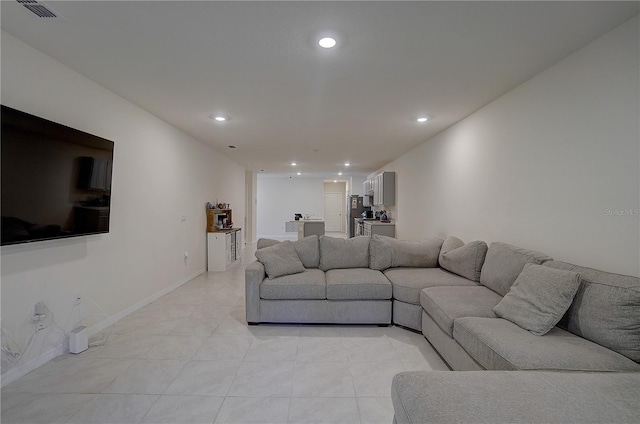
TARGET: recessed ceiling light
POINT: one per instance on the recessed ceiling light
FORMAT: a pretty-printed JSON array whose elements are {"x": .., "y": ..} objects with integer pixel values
[
  {"x": 422, "y": 119},
  {"x": 219, "y": 117},
  {"x": 327, "y": 42},
  {"x": 335, "y": 181},
  {"x": 298, "y": 173},
  {"x": 339, "y": 173},
  {"x": 347, "y": 164},
  {"x": 293, "y": 164}
]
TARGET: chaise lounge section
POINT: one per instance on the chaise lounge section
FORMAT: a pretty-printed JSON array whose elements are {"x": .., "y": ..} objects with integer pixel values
[{"x": 515, "y": 397}]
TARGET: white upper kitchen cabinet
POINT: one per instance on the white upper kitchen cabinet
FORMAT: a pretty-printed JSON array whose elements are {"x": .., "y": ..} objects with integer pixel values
[{"x": 384, "y": 189}]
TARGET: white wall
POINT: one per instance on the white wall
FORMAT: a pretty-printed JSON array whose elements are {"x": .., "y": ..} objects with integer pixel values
[
  {"x": 339, "y": 187},
  {"x": 279, "y": 198},
  {"x": 159, "y": 173},
  {"x": 251, "y": 199},
  {"x": 552, "y": 165}
]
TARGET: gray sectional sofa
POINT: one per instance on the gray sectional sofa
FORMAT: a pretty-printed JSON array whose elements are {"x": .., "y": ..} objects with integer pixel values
[{"x": 496, "y": 307}]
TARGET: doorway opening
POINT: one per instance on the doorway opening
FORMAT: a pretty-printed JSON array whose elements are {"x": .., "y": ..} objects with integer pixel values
[{"x": 335, "y": 194}]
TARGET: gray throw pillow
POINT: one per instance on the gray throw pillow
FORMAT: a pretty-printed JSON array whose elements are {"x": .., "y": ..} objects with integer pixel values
[
  {"x": 465, "y": 260},
  {"x": 338, "y": 253},
  {"x": 539, "y": 298},
  {"x": 308, "y": 249},
  {"x": 280, "y": 259},
  {"x": 388, "y": 252}
]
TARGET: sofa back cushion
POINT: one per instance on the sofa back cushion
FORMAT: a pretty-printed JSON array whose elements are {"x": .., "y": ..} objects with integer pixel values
[
  {"x": 338, "y": 253},
  {"x": 265, "y": 242},
  {"x": 463, "y": 259},
  {"x": 605, "y": 310},
  {"x": 308, "y": 249},
  {"x": 388, "y": 252},
  {"x": 504, "y": 263}
]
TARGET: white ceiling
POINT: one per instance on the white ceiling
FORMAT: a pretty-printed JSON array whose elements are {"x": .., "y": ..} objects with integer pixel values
[{"x": 290, "y": 100}]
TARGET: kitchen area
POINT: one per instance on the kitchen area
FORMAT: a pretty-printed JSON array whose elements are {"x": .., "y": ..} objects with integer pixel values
[
  {"x": 293, "y": 208},
  {"x": 366, "y": 214}
]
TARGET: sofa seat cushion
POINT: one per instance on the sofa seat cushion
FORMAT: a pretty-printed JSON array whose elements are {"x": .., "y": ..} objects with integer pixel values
[
  {"x": 357, "y": 284},
  {"x": 498, "y": 344},
  {"x": 446, "y": 304},
  {"x": 309, "y": 284},
  {"x": 515, "y": 397},
  {"x": 409, "y": 282}
]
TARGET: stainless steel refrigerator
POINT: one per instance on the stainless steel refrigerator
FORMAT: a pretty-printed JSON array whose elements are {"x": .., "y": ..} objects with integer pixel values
[{"x": 355, "y": 209}]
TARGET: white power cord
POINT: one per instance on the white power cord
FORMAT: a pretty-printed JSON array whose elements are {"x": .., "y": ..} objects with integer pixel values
[
  {"x": 55, "y": 324},
  {"x": 104, "y": 335},
  {"x": 12, "y": 356}
]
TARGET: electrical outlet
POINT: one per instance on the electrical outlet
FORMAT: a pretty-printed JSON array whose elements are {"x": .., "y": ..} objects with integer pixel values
[
  {"x": 38, "y": 311},
  {"x": 183, "y": 217},
  {"x": 186, "y": 255},
  {"x": 77, "y": 297}
]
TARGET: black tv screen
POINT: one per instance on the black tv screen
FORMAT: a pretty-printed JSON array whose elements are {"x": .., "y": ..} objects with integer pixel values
[{"x": 56, "y": 180}]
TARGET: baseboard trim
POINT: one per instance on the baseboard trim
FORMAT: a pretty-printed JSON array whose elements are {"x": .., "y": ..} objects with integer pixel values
[
  {"x": 21, "y": 370},
  {"x": 126, "y": 312}
]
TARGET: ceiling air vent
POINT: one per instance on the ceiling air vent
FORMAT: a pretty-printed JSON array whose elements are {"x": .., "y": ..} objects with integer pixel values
[{"x": 40, "y": 9}]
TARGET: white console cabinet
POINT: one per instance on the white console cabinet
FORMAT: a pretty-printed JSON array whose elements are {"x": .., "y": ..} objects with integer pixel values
[{"x": 223, "y": 248}]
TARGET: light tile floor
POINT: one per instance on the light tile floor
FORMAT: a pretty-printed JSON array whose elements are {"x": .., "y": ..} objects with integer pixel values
[{"x": 190, "y": 357}]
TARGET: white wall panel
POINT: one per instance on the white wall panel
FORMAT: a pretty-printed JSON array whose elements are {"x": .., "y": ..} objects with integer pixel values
[
  {"x": 552, "y": 165},
  {"x": 159, "y": 173}
]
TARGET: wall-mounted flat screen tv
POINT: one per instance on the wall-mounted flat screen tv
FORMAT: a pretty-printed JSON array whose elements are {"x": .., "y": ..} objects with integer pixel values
[{"x": 56, "y": 180}]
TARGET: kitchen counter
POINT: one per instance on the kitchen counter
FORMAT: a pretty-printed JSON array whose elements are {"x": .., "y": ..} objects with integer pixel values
[
  {"x": 369, "y": 227},
  {"x": 309, "y": 227},
  {"x": 374, "y": 221}
]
